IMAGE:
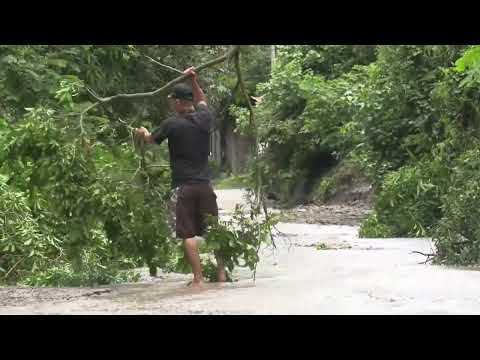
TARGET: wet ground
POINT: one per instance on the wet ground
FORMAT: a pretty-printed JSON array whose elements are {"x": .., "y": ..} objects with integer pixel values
[
  {"x": 333, "y": 214},
  {"x": 316, "y": 269}
]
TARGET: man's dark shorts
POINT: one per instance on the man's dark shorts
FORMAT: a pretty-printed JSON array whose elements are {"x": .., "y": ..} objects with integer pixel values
[{"x": 194, "y": 203}]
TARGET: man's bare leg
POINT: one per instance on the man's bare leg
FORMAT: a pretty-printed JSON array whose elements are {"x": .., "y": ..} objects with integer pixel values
[
  {"x": 193, "y": 258},
  {"x": 221, "y": 273}
]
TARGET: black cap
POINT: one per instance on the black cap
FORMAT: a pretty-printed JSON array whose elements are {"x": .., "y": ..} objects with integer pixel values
[{"x": 182, "y": 92}]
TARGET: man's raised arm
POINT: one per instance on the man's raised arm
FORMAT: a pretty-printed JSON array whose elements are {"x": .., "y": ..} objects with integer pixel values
[{"x": 198, "y": 94}]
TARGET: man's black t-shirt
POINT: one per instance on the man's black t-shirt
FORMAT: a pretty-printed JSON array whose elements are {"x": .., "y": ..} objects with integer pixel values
[{"x": 188, "y": 137}]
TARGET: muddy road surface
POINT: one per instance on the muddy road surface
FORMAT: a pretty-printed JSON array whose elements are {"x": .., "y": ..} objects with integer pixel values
[{"x": 316, "y": 269}]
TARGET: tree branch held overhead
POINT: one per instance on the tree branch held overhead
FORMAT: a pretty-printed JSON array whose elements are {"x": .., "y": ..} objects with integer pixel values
[
  {"x": 231, "y": 53},
  {"x": 253, "y": 127},
  {"x": 243, "y": 88},
  {"x": 258, "y": 190}
]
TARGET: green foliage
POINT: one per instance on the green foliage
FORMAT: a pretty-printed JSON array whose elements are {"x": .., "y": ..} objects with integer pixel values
[
  {"x": 372, "y": 228},
  {"x": 306, "y": 115},
  {"x": 457, "y": 237},
  {"x": 79, "y": 205},
  {"x": 375, "y": 106},
  {"x": 96, "y": 271},
  {"x": 469, "y": 63},
  {"x": 414, "y": 200},
  {"x": 397, "y": 117},
  {"x": 239, "y": 239},
  {"x": 408, "y": 116},
  {"x": 232, "y": 182},
  {"x": 81, "y": 214},
  {"x": 87, "y": 204},
  {"x": 24, "y": 245},
  {"x": 469, "y": 60},
  {"x": 325, "y": 189},
  {"x": 408, "y": 202},
  {"x": 330, "y": 61}
]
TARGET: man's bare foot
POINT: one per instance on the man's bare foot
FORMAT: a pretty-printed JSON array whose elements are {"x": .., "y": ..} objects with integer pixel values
[{"x": 197, "y": 284}]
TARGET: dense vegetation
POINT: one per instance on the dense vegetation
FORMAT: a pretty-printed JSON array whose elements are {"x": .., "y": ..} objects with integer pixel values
[
  {"x": 406, "y": 116},
  {"x": 82, "y": 203}
]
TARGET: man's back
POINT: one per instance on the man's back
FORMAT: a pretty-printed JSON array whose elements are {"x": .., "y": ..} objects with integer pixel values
[{"x": 188, "y": 137}]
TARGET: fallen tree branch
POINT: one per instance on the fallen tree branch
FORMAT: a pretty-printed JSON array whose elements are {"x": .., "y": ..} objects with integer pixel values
[
  {"x": 260, "y": 201},
  {"x": 429, "y": 256},
  {"x": 14, "y": 266},
  {"x": 243, "y": 89},
  {"x": 421, "y": 253},
  {"x": 235, "y": 49},
  {"x": 259, "y": 198},
  {"x": 82, "y": 114}
]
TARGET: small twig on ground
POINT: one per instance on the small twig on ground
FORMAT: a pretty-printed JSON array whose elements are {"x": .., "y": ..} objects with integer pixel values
[
  {"x": 98, "y": 292},
  {"x": 421, "y": 253},
  {"x": 429, "y": 256}
]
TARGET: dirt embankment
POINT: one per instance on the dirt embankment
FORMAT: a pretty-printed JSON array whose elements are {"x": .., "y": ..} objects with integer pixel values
[{"x": 349, "y": 207}]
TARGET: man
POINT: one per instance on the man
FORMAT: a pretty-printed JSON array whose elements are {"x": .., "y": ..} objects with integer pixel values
[{"x": 188, "y": 134}]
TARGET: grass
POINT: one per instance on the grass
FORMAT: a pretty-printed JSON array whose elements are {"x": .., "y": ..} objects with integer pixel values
[{"x": 231, "y": 182}]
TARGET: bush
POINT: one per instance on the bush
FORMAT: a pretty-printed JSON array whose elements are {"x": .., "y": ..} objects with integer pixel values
[
  {"x": 30, "y": 254},
  {"x": 79, "y": 204},
  {"x": 372, "y": 228},
  {"x": 239, "y": 239},
  {"x": 233, "y": 182},
  {"x": 325, "y": 189},
  {"x": 93, "y": 273},
  {"x": 24, "y": 246},
  {"x": 457, "y": 238},
  {"x": 408, "y": 203},
  {"x": 305, "y": 120}
]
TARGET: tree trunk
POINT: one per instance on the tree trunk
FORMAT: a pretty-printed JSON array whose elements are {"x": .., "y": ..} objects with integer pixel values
[{"x": 153, "y": 270}]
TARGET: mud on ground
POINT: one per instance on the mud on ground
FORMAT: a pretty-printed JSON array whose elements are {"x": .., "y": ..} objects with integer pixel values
[
  {"x": 22, "y": 296},
  {"x": 350, "y": 209},
  {"x": 347, "y": 208},
  {"x": 334, "y": 214}
]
